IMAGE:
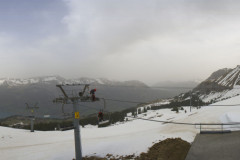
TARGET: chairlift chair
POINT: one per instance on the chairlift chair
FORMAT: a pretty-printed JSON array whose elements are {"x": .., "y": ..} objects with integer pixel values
[
  {"x": 104, "y": 123},
  {"x": 65, "y": 117}
]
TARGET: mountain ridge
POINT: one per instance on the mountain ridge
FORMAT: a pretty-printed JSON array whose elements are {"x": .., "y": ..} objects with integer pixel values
[
  {"x": 220, "y": 80},
  {"x": 60, "y": 80},
  {"x": 220, "y": 85},
  {"x": 14, "y": 93}
]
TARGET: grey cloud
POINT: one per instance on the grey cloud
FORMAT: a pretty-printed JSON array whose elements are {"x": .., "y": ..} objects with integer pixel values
[
  {"x": 108, "y": 26},
  {"x": 134, "y": 39}
]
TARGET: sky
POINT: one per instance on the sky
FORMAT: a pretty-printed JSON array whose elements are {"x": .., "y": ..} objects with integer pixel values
[{"x": 146, "y": 40}]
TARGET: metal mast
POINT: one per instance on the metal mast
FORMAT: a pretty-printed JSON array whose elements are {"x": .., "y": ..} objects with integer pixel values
[
  {"x": 75, "y": 99},
  {"x": 32, "y": 117}
]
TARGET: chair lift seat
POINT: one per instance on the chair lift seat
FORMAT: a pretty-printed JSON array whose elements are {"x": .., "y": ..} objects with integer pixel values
[{"x": 104, "y": 122}]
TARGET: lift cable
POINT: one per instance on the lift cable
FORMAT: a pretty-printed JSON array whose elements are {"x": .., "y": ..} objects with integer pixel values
[
  {"x": 182, "y": 123},
  {"x": 125, "y": 101},
  {"x": 225, "y": 105},
  {"x": 147, "y": 87},
  {"x": 89, "y": 107}
]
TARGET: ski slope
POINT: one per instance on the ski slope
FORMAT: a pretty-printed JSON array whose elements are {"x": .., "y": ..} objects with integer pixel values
[
  {"x": 219, "y": 96},
  {"x": 131, "y": 137}
]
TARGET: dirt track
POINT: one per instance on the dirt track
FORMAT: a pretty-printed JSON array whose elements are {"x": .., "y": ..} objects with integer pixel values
[{"x": 169, "y": 149}]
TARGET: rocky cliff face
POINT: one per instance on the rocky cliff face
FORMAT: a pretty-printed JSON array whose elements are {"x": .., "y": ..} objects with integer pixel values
[
  {"x": 222, "y": 84},
  {"x": 223, "y": 79}
]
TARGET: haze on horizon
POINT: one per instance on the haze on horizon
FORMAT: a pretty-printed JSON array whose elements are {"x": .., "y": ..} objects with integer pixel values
[{"x": 146, "y": 40}]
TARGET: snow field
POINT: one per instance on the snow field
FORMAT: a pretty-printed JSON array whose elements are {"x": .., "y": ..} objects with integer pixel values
[
  {"x": 131, "y": 137},
  {"x": 221, "y": 95}
]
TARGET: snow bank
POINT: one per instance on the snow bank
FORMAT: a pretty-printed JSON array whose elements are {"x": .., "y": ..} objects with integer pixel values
[{"x": 231, "y": 117}]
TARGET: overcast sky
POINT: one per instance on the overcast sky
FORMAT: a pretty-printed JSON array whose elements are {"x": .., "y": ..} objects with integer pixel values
[{"x": 146, "y": 40}]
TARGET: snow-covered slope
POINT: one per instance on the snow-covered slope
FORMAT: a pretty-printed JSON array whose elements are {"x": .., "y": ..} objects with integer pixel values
[
  {"x": 232, "y": 79},
  {"x": 222, "y": 84},
  {"x": 226, "y": 77},
  {"x": 219, "y": 96},
  {"x": 131, "y": 137}
]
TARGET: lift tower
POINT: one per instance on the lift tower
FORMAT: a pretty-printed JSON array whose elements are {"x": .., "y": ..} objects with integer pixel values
[
  {"x": 32, "y": 117},
  {"x": 75, "y": 100}
]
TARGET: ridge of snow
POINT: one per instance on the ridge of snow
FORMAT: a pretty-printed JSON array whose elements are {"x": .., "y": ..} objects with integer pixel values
[
  {"x": 228, "y": 79},
  {"x": 2, "y": 81},
  {"x": 46, "y": 79},
  {"x": 17, "y": 82},
  {"x": 32, "y": 81},
  {"x": 50, "y": 79},
  {"x": 99, "y": 81}
]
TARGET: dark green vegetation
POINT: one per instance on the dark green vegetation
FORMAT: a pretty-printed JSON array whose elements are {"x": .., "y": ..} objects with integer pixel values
[
  {"x": 182, "y": 101},
  {"x": 52, "y": 124},
  {"x": 207, "y": 86}
]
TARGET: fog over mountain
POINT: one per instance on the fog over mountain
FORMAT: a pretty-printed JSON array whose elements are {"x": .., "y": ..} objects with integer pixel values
[
  {"x": 14, "y": 93},
  {"x": 175, "y": 84}
]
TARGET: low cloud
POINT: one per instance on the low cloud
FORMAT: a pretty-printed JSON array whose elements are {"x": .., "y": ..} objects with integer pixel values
[{"x": 149, "y": 40}]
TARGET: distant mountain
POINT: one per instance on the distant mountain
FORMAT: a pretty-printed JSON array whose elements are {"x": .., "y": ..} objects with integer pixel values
[
  {"x": 220, "y": 85},
  {"x": 14, "y": 93},
  {"x": 11, "y": 82},
  {"x": 223, "y": 79}
]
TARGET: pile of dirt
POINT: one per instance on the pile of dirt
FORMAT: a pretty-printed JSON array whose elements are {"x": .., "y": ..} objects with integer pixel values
[
  {"x": 93, "y": 158},
  {"x": 169, "y": 149}
]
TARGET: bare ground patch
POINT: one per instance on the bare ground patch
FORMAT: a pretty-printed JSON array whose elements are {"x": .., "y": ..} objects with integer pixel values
[{"x": 168, "y": 149}]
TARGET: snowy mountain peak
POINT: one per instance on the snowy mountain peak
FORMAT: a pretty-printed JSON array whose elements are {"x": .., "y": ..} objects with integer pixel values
[
  {"x": 10, "y": 82},
  {"x": 20, "y": 81},
  {"x": 222, "y": 84},
  {"x": 231, "y": 79},
  {"x": 221, "y": 80}
]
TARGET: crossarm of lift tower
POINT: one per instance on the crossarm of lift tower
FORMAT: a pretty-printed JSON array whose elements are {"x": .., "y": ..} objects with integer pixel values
[{"x": 67, "y": 99}]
